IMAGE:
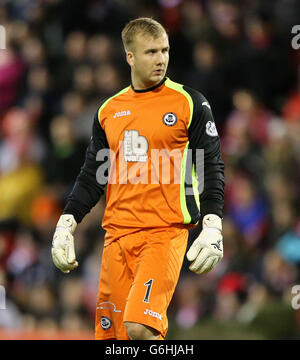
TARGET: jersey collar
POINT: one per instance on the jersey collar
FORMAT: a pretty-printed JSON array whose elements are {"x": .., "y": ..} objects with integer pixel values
[{"x": 151, "y": 88}]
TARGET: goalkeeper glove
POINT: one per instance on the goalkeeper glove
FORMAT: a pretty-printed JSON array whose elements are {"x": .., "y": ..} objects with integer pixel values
[
  {"x": 207, "y": 250},
  {"x": 63, "y": 253}
]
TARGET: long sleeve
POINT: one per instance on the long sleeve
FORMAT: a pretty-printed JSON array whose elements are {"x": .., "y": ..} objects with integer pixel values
[
  {"x": 203, "y": 135},
  {"x": 87, "y": 191}
]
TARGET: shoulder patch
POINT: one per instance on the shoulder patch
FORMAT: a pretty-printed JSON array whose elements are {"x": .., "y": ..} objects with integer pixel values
[{"x": 211, "y": 129}]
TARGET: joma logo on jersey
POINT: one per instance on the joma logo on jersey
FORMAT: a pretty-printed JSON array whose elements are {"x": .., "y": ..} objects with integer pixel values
[
  {"x": 135, "y": 146},
  {"x": 122, "y": 113},
  {"x": 153, "y": 313}
]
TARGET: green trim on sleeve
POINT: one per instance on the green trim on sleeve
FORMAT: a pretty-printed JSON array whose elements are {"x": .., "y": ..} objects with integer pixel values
[
  {"x": 190, "y": 204},
  {"x": 179, "y": 87},
  {"x": 186, "y": 215}
]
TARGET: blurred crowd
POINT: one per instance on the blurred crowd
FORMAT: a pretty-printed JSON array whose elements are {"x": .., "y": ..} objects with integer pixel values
[{"x": 62, "y": 58}]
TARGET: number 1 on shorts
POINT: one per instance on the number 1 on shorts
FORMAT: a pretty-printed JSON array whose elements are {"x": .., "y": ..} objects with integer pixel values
[{"x": 149, "y": 284}]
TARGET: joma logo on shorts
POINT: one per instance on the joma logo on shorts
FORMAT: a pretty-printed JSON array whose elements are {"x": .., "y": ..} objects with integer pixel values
[{"x": 152, "y": 313}]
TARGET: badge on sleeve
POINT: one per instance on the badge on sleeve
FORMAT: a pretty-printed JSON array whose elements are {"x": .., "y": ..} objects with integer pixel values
[{"x": 211, "y": 129}]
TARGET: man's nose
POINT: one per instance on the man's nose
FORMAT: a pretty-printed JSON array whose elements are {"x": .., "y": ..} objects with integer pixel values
[{"x": 160, "y": 58}]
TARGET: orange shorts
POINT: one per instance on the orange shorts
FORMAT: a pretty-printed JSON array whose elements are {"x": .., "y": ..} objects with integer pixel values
[{"x": 139, "y": 273}]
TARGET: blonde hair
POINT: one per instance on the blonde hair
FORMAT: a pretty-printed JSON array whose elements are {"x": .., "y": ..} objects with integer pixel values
[{"x": 143, "y": 26}]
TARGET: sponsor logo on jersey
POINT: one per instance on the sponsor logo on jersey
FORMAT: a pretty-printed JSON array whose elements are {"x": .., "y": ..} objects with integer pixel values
[
  {"x": 153, "y": 313},
  {"x": 135, "y": 146},
  {"x": 211, "y": 129},
  {"x": 122, "y": 113},
  {"x": 105, "y": 322},
  {"x": 170, "y": 119}
]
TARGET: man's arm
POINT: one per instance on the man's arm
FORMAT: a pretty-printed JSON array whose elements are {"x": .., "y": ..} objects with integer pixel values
[
  {"x": 87, "y": 191},
  {"x": 84, "y": 196},
  {"x": 207, "y": 248},
  {"x": 203, "y": 134}
]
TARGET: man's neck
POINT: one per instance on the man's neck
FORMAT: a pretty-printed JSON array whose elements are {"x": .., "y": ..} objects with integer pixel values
[
  {"x": 139, "y": 85},
  {"x": 142, "y": 86}
]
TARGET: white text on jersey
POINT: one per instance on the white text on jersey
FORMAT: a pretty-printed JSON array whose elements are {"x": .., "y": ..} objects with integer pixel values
[{"x": 122, "y": 113}]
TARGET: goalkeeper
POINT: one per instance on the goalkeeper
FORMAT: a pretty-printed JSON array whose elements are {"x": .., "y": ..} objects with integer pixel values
[{"x": 149, "y": 213}]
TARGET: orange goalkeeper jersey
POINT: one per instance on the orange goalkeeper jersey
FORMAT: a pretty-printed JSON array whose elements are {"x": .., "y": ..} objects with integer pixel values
[{"x": 158, "y": 153}]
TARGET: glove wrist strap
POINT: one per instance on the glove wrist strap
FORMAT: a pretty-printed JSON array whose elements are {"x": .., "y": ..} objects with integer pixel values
[
  {"x": 66, "y": 222},
  {"x": 212, "y": 221}
]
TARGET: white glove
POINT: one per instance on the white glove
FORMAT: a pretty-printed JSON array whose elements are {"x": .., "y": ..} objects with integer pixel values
[
  {"x": 207, "y": 250},
  {"x": 63, "y": 253}
]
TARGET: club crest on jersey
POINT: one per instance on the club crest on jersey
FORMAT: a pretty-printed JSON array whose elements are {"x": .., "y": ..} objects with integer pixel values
[
  {"x": 105, "y": 322},
  {"x": 211, "y": 129},
  {"x": 170, "y": 119}
]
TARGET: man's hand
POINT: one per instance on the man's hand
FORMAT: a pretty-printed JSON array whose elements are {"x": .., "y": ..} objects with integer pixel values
[
  {"x": 63, "y": 253},
  {"x": 207, "y": 250}
]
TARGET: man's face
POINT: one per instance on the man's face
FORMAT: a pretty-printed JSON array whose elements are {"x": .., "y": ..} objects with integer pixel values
[{"x": 149, "y": 59}]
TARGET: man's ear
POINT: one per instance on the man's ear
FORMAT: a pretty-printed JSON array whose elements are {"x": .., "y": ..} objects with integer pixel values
[{"x": 130, "y": 57}]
